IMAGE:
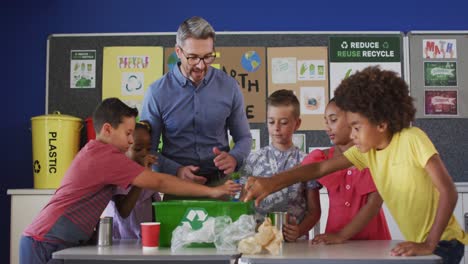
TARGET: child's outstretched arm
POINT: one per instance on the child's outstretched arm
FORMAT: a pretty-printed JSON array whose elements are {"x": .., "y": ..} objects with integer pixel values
[
  {"x": 125, "y": 203},
  {"x": 447, "y": 202},
  {"x": 360, "y": 220},
  {"x": 258, "y": 188},
  {"x": 166, "y": 183},
  {"x": 292, "y": 230}
]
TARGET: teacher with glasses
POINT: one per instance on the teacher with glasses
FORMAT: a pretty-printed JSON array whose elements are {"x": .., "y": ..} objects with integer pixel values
[{"x": 193, "y": 106}]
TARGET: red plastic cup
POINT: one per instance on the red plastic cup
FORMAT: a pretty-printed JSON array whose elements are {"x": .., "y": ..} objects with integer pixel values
[{"x": 150, "y": 235}]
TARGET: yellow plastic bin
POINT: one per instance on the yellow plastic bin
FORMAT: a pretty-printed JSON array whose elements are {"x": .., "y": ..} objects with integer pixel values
[{"x": 55, "y": 142}]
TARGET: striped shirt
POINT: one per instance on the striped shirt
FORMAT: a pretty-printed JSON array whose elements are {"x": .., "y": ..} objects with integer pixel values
[{"x": 87, "y": 187}]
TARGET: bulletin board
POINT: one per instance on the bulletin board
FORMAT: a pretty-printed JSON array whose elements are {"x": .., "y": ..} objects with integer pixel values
[
  {"x": 81, "y": 102},
  {"x": 439, "y": 84}
]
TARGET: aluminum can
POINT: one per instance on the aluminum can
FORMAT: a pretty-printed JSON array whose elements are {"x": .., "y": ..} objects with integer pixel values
[
  {"x": 278, "y": 219},
  {"x": 105, "y": 231}
]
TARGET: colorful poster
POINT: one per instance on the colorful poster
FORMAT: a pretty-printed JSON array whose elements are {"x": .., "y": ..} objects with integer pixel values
[
  {"x": 83, "y": 69},
  {"x": 441, "y": 102},
  {"x": 439, "y": 48},
  {"x": 312, "y": 100},
  {"x": 311, "y": 70},
  {"x": 128, "y": 71},
  {"x": 440, "y": 73},
  {"x": 248, "y": 66},
  {"x": 351, "y": 54},
  {"x": 304, "y": 71}
]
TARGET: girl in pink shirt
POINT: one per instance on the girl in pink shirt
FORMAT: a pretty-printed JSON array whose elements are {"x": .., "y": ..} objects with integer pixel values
[{"x": 355, "y": 205}]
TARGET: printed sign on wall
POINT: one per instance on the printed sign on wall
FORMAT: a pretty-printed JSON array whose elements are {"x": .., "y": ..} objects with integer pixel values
[
  {"x": 128, "y": 71},
  {"x": 351, "y": 54},
  {"x": 83, "y": 69}
]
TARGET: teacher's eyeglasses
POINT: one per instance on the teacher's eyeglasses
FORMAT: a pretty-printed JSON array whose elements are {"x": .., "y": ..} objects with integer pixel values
[{"x": 194, "y": 60}]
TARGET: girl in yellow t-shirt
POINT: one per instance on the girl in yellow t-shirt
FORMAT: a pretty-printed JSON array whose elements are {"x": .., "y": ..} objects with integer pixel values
[{"x": 407, "y": 169}]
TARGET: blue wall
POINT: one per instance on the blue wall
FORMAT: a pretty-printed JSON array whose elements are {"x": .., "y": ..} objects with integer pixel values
[{"x": 26, "y": 25}]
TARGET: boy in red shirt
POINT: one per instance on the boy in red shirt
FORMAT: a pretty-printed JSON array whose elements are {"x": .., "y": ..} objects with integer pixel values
[{"x": 71, "y": 215}]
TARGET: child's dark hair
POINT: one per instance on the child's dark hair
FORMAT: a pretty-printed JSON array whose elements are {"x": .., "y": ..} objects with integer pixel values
[
  {"x": 143, "y": 124},
  {"x": 112, "y": 111},
  {"x": 379, "y": 95},
  {"x": 285, "y": 97}
]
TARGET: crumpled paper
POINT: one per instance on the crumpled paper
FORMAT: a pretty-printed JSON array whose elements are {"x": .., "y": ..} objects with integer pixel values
[{"x": 268, "y": 238}]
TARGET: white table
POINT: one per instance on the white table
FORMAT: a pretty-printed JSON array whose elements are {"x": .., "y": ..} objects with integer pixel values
[
  {"x": 364, "y": 251},
  {"x": 293, "y": 253},
  {"x": 130, "y": 251}
]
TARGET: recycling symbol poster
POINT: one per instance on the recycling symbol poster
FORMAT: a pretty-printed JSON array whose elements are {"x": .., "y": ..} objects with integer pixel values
[{"x": 351, "y": 54}]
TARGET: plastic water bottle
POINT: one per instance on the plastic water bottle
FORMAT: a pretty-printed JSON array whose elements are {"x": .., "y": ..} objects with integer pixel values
[{"x": 235, "y": 177}]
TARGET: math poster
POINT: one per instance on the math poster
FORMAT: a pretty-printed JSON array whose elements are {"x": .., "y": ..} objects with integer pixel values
[
  {"x": 128, "y": 71},
  {"x": 439, "y": 48}
]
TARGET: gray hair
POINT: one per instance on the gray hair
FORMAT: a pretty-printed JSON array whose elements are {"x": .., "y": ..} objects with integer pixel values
[{"x": 194, "y": 27}]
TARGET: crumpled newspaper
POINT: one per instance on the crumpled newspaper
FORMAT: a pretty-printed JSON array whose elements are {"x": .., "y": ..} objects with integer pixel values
[
  {"x": 220, "y": 231},
  {"x": 268, "y": 237}
]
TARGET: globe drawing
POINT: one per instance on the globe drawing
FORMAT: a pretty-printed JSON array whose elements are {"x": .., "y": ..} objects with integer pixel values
[
  {"x": 172, "y": 60},
  {"x": 251, "y": 61}
]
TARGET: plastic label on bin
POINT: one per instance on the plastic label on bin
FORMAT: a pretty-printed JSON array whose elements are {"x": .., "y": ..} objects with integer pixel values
[{"x": 194, "y": 217}]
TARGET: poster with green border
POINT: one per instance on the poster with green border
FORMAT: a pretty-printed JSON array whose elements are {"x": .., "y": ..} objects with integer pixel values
[{"x": 440, "y": 73}]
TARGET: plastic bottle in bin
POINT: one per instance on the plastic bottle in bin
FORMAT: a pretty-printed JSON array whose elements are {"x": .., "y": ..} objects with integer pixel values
[{"x": 235, "y": 176}]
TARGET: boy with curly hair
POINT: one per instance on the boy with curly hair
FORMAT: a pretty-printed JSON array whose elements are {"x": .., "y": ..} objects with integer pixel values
[{"x": 406, "y": 167}]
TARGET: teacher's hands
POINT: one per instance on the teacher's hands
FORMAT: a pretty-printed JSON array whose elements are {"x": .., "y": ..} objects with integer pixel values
[
  {"x": 188, "y": 173},
  {"x": 224, "y": 161}
]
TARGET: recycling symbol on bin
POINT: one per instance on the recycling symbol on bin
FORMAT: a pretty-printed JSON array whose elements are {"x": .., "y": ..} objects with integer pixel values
[
  {"x": 195, "y": 217},
  {"x": 36, "y": 166}
]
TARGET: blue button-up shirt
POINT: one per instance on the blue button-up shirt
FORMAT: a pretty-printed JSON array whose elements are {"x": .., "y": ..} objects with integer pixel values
[{"x": 193, "y": 120}]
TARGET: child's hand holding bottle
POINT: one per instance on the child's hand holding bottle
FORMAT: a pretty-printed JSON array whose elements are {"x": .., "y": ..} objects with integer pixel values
[{"x": 229, "y": 188}]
